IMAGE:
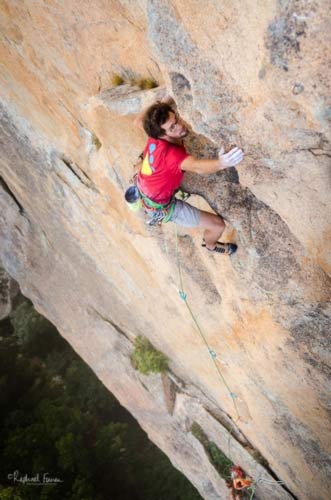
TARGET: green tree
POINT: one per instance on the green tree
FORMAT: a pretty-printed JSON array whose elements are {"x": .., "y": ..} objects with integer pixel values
[
  {"x": 146, "y": 359},
  {"x": 59, "y": 419}
]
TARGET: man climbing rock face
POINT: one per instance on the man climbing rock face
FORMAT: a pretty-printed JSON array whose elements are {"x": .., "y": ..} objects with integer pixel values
[{"x": 165, "y": 161}]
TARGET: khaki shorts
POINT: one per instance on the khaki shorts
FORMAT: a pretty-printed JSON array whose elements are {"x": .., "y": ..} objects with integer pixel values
[{"x": 185, "y": 215}]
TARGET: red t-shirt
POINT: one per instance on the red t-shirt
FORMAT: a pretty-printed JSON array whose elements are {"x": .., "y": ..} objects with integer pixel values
[{"x": 160, "y": 174}]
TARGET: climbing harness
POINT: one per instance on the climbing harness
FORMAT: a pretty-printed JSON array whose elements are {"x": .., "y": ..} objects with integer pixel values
[{"x": 157, "y": 212}]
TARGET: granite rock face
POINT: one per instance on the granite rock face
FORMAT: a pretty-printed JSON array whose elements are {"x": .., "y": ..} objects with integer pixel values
[{"x": 252, "y": 74}]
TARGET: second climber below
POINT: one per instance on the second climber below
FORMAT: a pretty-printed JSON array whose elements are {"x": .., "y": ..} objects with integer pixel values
[{"x": 161, "y": 172}]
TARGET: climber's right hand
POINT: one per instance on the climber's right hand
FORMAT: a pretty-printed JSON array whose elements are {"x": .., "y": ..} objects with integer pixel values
[{"x": 230, "y": 159}]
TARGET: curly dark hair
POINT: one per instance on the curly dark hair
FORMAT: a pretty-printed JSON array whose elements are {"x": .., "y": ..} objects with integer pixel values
[{"x": 154, "y": 117}]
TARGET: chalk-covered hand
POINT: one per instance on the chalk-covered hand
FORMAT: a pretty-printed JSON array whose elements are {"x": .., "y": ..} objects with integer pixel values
[{"x": 230, "y": 159}]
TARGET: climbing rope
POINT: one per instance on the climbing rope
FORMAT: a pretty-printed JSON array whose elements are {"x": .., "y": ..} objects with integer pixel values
[{"x": 212, "y": 353}]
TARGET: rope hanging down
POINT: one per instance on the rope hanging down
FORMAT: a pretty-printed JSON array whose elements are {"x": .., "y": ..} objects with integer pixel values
[{"x": 212, "y": 353}]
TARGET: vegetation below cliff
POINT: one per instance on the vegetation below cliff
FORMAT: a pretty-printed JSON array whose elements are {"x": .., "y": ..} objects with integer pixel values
[{"x": 59, "y": 421}]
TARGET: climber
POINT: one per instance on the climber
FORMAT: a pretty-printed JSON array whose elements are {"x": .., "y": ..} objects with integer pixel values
[{"x": 161, "y": 171}]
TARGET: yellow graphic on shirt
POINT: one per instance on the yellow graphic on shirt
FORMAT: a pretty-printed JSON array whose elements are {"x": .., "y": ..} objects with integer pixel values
[{"x": 146, "y": 168}]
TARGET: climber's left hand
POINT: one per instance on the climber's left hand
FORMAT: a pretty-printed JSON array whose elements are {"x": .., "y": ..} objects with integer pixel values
[{"x": 230, "y": 159}]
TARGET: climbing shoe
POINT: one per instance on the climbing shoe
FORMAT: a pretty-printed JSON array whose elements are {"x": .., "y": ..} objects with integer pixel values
[{"x": 225, "y": 248}]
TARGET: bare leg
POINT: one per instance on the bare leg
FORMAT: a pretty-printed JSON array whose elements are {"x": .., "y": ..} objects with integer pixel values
[{"x": 214, "y": 226}]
